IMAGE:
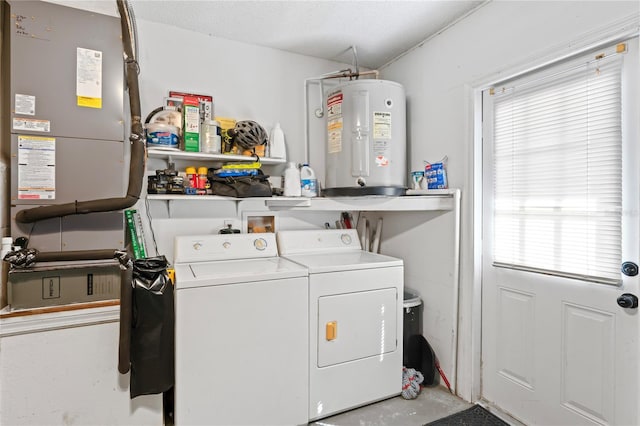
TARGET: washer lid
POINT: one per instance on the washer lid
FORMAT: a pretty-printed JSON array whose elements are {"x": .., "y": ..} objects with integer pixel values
[
  {"x": 344, "y": 261},
  {"x": 202, "y": 274}
]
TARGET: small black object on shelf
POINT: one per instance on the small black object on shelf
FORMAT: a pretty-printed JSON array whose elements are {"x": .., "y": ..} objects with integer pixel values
[{"x": 229, "y": 230}]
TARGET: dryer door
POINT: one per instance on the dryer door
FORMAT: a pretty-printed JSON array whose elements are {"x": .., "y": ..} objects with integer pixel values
[{"x": 357, "y": 325}]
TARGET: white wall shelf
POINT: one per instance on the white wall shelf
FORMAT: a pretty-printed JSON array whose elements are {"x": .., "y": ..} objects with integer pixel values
[
  {"x": 443, "y": 200},
  {"x": 203, "y": 156}
]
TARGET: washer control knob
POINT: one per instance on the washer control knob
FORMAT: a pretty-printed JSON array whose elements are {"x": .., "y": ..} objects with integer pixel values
[
  {"x": 346, "y": 239},
  {"x": 260, "y": 244}
]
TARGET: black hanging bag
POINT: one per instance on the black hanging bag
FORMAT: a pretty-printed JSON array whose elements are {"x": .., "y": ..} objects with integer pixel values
[{"x": 152, "y": 328}]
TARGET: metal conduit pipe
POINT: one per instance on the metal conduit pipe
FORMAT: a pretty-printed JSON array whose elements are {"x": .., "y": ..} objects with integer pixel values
[
  {"x": 137, "y": 164},
  {"x": 353, "y": 74}
]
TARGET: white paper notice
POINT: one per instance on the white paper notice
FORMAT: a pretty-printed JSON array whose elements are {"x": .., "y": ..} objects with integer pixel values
[
  {"x": 89, "y": 77},
  {"x": 25, "y": 104},
  {"x": 31, "y": 124},
  {"x": 382, "y": 125},
  {"x": 36, "y": 168}
]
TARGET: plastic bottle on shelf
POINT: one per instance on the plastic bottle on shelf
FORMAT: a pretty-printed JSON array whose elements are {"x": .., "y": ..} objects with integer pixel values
[
  {"x": 308, "y": 182},
  {"x": 276, "y": 143},
  {"x": 202, "y": 177},
  {"x": 192, "y": 177},
  {"x": 292, "y": 181},
  {"x": 210, "y": 140}
]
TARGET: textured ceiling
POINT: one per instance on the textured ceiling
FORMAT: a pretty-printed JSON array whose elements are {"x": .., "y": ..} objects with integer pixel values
[{"x": 380, "y": 30}]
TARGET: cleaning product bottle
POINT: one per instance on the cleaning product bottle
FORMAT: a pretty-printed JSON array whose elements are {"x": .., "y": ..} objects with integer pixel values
[
  {"x": 276, "y": 143},
  {"x": 6, "y": 247},
  {"x": 192, "y": 177},
  {"x": 292, "y": 181},
  {"x": 308, "y": 182}
]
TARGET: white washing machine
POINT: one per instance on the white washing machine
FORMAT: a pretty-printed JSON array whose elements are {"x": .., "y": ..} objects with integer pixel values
[
  {"x": 355, "y": 311},
  {"x": 241, "y": 332}
]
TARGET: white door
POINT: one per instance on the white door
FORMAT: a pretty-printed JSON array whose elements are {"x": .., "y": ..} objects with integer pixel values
[{"x": 557, "y": 349}]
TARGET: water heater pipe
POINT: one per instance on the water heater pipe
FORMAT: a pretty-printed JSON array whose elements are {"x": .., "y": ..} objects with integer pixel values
[{"x": 137, "y": 164}]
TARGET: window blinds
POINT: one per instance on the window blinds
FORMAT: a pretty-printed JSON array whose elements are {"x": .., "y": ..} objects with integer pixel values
[{"x": 557, "y": 172}]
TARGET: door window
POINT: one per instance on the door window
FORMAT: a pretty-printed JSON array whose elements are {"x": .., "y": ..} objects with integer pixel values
[{"x": 557, "y": 169}]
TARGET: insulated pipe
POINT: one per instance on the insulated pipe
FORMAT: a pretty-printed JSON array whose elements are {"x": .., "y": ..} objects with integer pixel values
[
  {"x": 137, "y": 164},
  {"x": 5, "y": 154},
  {"x": 61, "y": 256}
]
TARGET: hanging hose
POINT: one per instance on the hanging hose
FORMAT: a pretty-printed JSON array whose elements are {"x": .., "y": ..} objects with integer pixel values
[{"x": 137, "y": 164}]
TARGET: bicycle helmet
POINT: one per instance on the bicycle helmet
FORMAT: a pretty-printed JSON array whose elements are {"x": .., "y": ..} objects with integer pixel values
[{"x": 248, "y": 134}]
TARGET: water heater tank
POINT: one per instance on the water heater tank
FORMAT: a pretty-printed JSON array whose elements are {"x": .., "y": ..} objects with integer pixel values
[{"x": 366, "y": 139}]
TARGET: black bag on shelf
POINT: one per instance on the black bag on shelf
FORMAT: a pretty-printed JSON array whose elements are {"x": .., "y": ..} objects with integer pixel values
[{"x": 241, "y": 186}]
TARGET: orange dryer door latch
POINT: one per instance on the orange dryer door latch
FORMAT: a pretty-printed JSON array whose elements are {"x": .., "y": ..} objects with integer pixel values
[{"x": 331, "y": 330}]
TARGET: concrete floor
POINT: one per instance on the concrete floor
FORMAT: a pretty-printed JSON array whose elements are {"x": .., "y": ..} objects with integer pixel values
[{"x": 432, "y": 404}]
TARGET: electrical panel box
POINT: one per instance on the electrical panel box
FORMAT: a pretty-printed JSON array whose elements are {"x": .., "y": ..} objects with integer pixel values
[
  {"x": 67, "y": 121},
  {"x": 54, "y": 285}
]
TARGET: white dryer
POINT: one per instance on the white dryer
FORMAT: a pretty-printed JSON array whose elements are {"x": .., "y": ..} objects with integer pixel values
[
  {"x": 241, "y": 332},
  {"x": 355, "y": 311}
]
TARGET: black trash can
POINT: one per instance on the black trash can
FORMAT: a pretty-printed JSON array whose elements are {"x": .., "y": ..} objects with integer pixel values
[{"x": 412, "y": 320}]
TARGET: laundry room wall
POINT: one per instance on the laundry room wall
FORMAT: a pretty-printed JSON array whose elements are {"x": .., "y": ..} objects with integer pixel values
[
  {"x": 440, "y": 76},
  {"x": 246, "y": 82}
]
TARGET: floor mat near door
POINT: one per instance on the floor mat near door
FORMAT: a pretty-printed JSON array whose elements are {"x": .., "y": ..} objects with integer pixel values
[{"x": 474, "y": 416}]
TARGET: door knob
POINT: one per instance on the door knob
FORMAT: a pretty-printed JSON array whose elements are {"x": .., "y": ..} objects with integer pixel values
[
  {"x": 628, "y": 300},
  {"x": 630, "y": 269}
]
